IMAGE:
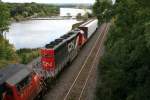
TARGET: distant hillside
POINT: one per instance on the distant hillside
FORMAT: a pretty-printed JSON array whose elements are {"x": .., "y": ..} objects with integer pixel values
[{"x": 72, "y": 5}]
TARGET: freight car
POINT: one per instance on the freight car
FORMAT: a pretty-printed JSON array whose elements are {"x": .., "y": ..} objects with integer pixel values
[
  {"x": 17, "y": 82},
  {"x": 89, "y": 28}
]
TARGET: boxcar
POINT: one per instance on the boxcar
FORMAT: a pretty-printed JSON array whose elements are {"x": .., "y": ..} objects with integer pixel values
[{"x": 89, "y": 27}]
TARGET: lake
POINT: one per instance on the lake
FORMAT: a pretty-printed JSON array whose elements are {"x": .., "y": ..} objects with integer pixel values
[{"x": 37, "y": 33}]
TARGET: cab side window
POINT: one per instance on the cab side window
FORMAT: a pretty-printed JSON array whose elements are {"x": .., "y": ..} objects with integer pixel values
[
  {"x": 21, "y": 85},
  {"x": 9, "y": 91},
  {"x": 1, "y": 92}
]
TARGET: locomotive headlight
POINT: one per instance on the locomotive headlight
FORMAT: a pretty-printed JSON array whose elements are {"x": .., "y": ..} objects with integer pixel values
[{"x": 47, "y": 64}]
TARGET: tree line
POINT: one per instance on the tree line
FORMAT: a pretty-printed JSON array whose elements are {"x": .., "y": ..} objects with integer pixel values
[
  {"x": 124, "y": 70},
  {"x": 25, "y": 10}
]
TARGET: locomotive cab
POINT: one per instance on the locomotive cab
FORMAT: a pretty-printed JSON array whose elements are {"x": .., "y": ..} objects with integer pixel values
[
  {"x": 21, "y": 84},
  {"x": 47, "y": 59}
]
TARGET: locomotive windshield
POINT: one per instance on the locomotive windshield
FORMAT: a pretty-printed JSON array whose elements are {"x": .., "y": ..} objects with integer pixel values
[
  {"x": 1, "y": 91},
  {"x": 48, "y": 55},
  {"x": 7, "y": 93},
  {"x": 23, "y": 83}
]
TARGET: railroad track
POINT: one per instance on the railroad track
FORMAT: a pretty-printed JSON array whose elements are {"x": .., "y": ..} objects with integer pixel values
[{"x": 78, "y": 86}]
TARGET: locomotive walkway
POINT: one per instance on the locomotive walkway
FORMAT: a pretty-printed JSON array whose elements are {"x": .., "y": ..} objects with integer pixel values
[
  {"x": 78, "y": 81},
  {"x": 53, "y": 18}
]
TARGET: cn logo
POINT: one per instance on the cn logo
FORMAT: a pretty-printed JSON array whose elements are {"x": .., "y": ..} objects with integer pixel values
[{"x": 71, "y": 46}]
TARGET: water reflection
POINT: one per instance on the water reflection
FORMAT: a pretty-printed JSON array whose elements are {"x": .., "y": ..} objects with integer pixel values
[{"x": 36, "y": 33}]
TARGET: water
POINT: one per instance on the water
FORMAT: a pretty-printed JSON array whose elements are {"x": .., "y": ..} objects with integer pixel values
[{"x": 37, "y": 33}]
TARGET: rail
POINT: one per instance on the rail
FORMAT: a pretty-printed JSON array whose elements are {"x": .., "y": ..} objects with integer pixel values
[{"x": 77, "y": 88}]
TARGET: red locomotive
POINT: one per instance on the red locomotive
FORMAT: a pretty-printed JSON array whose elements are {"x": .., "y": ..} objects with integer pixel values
[{"x": 18, "y": 82}]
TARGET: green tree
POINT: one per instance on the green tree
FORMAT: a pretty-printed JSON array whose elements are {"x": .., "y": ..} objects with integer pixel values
[
  {"x": 103, "y": 10},
  {"x": 4, "y": 18},
  {"x": 124, "y": 71}
]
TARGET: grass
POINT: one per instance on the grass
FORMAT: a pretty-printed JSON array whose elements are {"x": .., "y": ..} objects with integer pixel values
[
  {"x": 27, "y": 55},
  {"x": 76, "y": 25}
]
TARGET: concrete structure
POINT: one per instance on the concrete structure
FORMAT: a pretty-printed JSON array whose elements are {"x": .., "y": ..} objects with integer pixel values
[{"x": 73, "y": 11}]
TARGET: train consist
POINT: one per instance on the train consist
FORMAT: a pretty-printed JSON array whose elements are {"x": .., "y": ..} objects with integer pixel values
[
  {"x": 18, "y": 82},
  {"x": 60, "y": 52}
]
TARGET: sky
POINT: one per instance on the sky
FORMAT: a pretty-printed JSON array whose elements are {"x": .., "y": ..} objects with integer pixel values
[{"x": 52, "y": 1}]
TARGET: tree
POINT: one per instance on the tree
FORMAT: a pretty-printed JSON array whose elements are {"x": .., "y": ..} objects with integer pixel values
[
  {"x": 103, "y": 10},
  {"x": 79, "y": 16},
  {"x": 4, "y": 18},
  {"x": 124, "y": 71}
]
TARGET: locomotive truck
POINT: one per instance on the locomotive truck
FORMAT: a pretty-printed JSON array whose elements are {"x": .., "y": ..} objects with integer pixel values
[{"x": 18, "y": 82}]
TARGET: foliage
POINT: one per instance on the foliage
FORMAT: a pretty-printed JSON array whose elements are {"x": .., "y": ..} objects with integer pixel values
[
  {"x": 27, "y": 10},
  {"x": 124, "y": 70},
  {"x": 7, "y": 53},
  {"x": 27, "y": 55},
  {"x": 4, "y": 18},
  {"x": 79, "y": 16},
  {"x": 74, "y": 26},
  {"x": 103, "y": 11}
]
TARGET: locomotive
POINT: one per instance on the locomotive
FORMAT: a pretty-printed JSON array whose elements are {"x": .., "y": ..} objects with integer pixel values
[{"x": 18, "y": 82}]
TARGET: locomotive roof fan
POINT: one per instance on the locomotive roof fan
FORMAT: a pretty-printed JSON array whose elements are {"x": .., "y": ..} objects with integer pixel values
[
  {"x": 71, "y": 33},
  {"x": 53, "y": 43},
  {"x": 59, "y": 40},
  {"x": 49, "y": 46},
  {"x": 65, "y": 36}
]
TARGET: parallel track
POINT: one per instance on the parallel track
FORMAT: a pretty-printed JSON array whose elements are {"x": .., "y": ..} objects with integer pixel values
[{"x": 77, "y": 88}]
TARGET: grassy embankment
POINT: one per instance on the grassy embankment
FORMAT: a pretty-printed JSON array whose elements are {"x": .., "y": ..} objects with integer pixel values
[
  {"x": 8, "y": 54},
  {"x": 27, "y": 55}
]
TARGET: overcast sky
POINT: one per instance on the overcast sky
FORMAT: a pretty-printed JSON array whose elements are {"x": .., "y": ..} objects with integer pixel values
[{"x": 52, "y": 1}]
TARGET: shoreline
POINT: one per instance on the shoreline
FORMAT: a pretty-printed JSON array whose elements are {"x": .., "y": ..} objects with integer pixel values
[{"x": 21, "y": 18}]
